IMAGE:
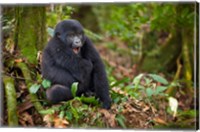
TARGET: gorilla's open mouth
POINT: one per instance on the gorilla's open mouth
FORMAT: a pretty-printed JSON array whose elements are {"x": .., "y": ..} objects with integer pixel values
[{"x": 76, "y": 50}]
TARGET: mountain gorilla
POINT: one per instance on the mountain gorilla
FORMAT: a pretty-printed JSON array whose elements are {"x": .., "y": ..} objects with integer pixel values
[{"x": 71, "y": 57}]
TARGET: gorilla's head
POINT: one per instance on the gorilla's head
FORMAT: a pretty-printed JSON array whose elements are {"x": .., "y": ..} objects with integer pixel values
[{"x": 71, "y": 33}]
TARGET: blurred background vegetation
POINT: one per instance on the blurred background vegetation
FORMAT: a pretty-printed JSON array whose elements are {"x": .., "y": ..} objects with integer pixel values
[{"x": 148, "y": 50}]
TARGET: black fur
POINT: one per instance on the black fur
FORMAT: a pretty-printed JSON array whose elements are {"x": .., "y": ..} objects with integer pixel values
[{"x": 62, "y": 66}]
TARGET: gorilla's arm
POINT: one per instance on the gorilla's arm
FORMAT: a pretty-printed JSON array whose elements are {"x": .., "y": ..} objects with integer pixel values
[
  {"x": 99, "y": 74},
  {"x": 53, "y": 72}
]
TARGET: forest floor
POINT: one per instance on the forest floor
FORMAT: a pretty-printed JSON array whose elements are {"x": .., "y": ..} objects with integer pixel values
[{"x": 131, "y": 113}]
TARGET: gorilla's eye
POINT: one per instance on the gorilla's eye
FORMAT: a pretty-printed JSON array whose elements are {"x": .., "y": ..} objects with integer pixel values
[
  {"x": 79, "y": 35},
  {"x": 71, "y": 35}
]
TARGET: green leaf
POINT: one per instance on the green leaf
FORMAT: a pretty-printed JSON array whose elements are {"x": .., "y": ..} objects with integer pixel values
[
  {"x": 120, "y": 119},
  {"x": 149, "y": 92},
  {"x": 116, "y": 100},
  {"x": 48, "y": 111},
  {"x": 34, "y": 88},
  {"x": 74, "y": 88},
  {"x": 68, "y": 115},
  {"x": 90, "y": 100},
  {"x": 61, "y": 114},
  {"x": 137, "y": 79},
  {"x": 147, "y": 80},
  {"x": 160, "y": 89},
  {"x": 46, "y": 83},
  {"x": 74, "y": 112},
  {"x": 129, "y": 87},
  {"x": 158, "y": 78},
  {"x": 124, "y": 80},
  {"x": 188, "y": 113},
  {"x": 50, "y": 31}
]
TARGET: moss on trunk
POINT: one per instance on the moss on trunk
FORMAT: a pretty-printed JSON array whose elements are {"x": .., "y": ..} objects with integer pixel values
[
  {"x": 11, "y": 101},
  {"x": 30, "y": 31}
]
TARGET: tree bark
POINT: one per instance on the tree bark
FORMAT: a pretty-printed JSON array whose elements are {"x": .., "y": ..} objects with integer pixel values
[
  {"x": 30, "y": 31},
  {"x": 11, "y": 101}
]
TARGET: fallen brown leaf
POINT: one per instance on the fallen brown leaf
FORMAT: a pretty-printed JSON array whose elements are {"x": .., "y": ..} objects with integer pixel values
[
  {"x": 25, "y": 118},
  {"x": 146, "y": 108},
  {"x": 48, "y": 120},
  {"x": 60, "y": 123},
  {"x": 18, "y": 60},
  {"x": 160, "y": 121},
  {"x": 24, "y": 106},
  {"x": 109, "y": 117}
]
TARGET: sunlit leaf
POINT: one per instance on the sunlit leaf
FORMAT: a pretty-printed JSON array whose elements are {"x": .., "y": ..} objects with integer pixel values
[
  {"x": 61, "y": 114},
  {"x": 149, "y": 92},
  {"x": 74, "y": 88},
  {"x": 46, "y": 83},
  {"x": 34, "y": 88},
  {"x": 68, "y": 115},
  {"x": 116, "y": 100},
  {"x": 50, "y": 31},
  {"x": 137, "y": 79},
  {"x": 90, "y": 100},
  {"x": 147, "y": 80},
  {"x": 124, "y": 80},
  {"x": 47, "y": 111},
  {"x": 158, "y": 78},
  {"x": 74, "y": 112},
  {"x": 160, "y": 89}
]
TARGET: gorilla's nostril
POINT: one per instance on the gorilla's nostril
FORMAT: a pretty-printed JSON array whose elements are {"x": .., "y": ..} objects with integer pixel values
[{"x": 77, "y": 41}]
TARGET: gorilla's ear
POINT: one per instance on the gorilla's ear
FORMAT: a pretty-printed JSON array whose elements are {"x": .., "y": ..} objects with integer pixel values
[
  {"x": 57, "y": 34},
  {"x": 58, "y": 30}
]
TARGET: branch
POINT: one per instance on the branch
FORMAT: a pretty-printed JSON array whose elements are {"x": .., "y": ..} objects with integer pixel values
[
  {"x": 26, "y": 74},
  {"x": 11, "y": 101}
]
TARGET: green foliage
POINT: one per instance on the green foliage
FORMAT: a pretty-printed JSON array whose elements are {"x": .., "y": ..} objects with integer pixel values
[
  {"x": 34, "y": 88},
  {"x": 136, "y": 80},
  {"x": 68, "y": 115},
  {"x": 47, "y": 111},
  {"x": 74, "y": 88},
  {"x": 187, "y": 114},
  {"x": 168, "y": 16},
  {"x": 121, "y": 120},
  {"x": 46, "y": 83},
  {"x": 50, "y": 31},
  {"x": 158, "y": 78},
  {"x": 146, "y": 84},
  {"x": 116, "y": 97},
  {"x": 124, "y": 17},
  {"x": 119, "y": 82},
  {"x": 58, "y": 13},
  {"x": 132, "y": 16},
  {"x": 89, "y": 100}
]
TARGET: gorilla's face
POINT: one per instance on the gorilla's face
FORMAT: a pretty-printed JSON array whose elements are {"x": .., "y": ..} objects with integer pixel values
[
  {"x": 76, "y": 41},
  {"x": 71, "y": 33}
]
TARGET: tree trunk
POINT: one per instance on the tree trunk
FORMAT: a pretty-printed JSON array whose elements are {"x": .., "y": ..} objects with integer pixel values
[{"x": 30, "y": 31}]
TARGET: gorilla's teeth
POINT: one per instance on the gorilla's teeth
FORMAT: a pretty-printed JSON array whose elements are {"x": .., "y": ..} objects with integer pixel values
[{"x": 76, "y": 50}]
